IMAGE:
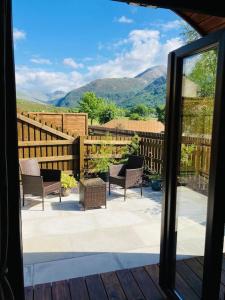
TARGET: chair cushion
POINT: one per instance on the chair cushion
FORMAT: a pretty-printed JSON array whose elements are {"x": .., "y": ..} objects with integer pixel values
[
  {"x": 134, "y": 162},
  {"x": 119, "y": 180},
  {"x": 30, "y": 167},
  {"x": 51, "y": 186}
]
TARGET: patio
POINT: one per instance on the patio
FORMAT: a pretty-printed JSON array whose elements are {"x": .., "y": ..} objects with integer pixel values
[{"x": 66, "y": 242}]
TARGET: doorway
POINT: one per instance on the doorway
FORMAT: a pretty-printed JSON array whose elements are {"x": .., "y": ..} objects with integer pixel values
[{"x": 192, "y": 226}]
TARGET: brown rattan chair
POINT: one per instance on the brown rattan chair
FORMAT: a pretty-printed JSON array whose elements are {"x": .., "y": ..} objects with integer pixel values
[
  {"x": 127, "y": 175},
  {"x": 39, "y": 182}
]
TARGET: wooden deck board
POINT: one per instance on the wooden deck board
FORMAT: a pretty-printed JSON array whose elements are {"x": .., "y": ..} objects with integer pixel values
[
  {"x": 147, "y": 286},
  {"x": 112, "y": 286},
  {"x": 135, "y": 284},
  {"x": 96, "y": 288},
  {"x": 78, "y": 289},
  {"x": 43, "y": 291},
  {"x": 129, "y": 285}
]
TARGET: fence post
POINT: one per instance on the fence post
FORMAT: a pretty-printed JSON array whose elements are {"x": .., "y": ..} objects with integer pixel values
[{"x": 81, "y": 154}]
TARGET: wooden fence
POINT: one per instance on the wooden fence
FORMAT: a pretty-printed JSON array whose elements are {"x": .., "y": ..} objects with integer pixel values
[
  {"x": 57, "y": 150},
  {"x": 52, "y": 148},
  {"x": 99, "y": 130},
  {"x": 71, "y": 123},
  {"x": 90, "y": 149}
]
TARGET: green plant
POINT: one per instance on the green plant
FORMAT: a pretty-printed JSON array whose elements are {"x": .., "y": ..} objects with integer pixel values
[
  {"x": 68, "y": 181},
  {"x": 155, "y": 177},
  {"x": 103, "y": 156},
  {"x": 186, "y": 152},
  {"x": 134, "y": 146}
]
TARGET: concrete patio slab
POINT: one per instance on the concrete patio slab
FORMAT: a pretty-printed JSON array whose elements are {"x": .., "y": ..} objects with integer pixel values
[{"x": 64, "y": 241}]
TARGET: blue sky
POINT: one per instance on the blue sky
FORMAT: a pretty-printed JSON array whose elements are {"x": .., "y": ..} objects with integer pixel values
[{"x": 61, "y": 45}]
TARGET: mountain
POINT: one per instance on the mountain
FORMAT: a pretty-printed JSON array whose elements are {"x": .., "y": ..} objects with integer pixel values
[
  {"x": 147, "y": 87},
  {"x": 39, "y": 97},
  {"x": 153, "y": 94}
]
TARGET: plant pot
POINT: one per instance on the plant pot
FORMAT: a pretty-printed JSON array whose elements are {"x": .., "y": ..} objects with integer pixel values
[
  {"x": 65, "y": 192},
  {"x": 104, "y": 176},
  {"x": 156, "y": 184}
]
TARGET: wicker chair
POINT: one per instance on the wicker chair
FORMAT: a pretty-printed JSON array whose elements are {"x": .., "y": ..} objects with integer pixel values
[
  {"x": 127, "y": 175},
  {"x": 39, "y": 182}
]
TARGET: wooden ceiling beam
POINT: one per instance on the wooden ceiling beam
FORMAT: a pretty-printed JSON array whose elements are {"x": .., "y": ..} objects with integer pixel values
[{"x": 213, "y": 8}]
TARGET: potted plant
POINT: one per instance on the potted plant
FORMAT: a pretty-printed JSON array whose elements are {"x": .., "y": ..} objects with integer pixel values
[
  {"x": 156, "y": 182},
  {"x": 67, "y": 183}
]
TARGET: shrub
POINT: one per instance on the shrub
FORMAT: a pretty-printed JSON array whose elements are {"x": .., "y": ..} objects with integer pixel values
[{"x": 68, "y": 181}]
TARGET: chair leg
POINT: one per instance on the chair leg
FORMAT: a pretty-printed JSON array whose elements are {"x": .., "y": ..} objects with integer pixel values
[
  {"x": 125, "y": 194},
  {"x": 109, "y": 188},
  {"x": 23, "y": 200},
  {"x": 60, "y": 196},
  {"x": 141, "y": 190},
  {"x": 43, "y": 205}
]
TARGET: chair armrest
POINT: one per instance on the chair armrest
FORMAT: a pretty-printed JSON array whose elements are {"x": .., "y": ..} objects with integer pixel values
[
  {"x": 32, "y": 184},
  {"x": 115, "y": 169},
  {"x": 51, "y": 175},
  {"x": 133, "y": 177}
]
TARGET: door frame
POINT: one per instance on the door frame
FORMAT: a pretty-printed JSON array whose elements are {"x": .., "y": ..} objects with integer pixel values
[
  {"x": 216, "y": 208},
  {"x": 11, "y": 254}
]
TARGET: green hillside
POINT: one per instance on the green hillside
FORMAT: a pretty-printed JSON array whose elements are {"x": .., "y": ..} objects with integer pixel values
[
  {"x": 28, "y": 106},
  {"x": 147, "y": 87}
]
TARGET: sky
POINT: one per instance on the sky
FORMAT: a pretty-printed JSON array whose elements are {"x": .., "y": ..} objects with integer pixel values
[{"x": 62, "y": 45}]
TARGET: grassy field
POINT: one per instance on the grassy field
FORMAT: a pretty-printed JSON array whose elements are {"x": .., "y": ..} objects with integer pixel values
[{"x": 24, "y": 105}]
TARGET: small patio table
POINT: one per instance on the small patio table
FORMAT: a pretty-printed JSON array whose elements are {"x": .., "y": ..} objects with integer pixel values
[{"x": 92, "y": 193}]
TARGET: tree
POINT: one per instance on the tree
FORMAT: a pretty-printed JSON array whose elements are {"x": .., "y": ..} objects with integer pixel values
[
  {"x": 160, "y": 113},
  {"x": 142, "y": 110},
  {"x": 109, "y": 111},
  {"x": 91, "y": 105},
  {"x": 204, "y": 73},
  {"x": 135, "y": 116},
  {"x": 188, "y": 33}
]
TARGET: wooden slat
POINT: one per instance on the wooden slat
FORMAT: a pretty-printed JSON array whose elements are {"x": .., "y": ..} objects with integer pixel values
[
  {"x": 28, "y": 293},
  {"x": 112, "y": 286},
  {"x": 43, "y": 292},
  {"x": 106, "y": 142},
  {"x": 147, "y": 286},
  {"x": 55, "y": 158},
  {"x": 44, "y": 127},
  {"x": 184, "y": 289},
  {"x": 190, "y": 277},
  {"x": 96, "y": 288},
  {"x": 60, "y": 290},
  {"x": 78, "y": 289},
  {"x": 129, "y": 285},
  {"x": 153, "y": 271},
  {"x": 44, "y": 143}
]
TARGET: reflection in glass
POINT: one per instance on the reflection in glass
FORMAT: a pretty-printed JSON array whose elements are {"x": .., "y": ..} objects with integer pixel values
[{"x": 198, "y": 90}]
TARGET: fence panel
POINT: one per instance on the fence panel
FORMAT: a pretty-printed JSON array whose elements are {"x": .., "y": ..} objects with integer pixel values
[{"x": 53, "y": 149}]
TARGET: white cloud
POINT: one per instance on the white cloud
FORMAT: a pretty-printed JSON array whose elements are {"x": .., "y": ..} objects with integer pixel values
[
  {"x": 176, "y": 24},
  {"x": 41, "y": 61},
  {"x": 142, "y": 49},
  {"x": 71, "y": 63},
  {"x": 46, "y": 81},
  {"x": 145, "y": 50},
  {"x": 19, "y": 34},
  {"x": 124, "y": 19}
]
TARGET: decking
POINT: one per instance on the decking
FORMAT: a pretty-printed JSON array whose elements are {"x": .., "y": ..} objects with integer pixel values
[
  {"x": 130, "y": 284},
  {"x": 138, "y": 283}
]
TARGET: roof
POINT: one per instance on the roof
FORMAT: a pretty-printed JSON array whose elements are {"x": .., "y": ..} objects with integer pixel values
[
  {"x": 134, "y": 125},
  {"x": 203, "y": 17}
]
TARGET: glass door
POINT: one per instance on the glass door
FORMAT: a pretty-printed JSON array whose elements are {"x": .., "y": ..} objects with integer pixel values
[
  {"x": 193, "y": 210},
  {"x": 196, "y": 119}
]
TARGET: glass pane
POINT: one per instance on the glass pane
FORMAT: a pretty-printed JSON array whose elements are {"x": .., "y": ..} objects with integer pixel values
[{"x": 198, "y": 90}]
